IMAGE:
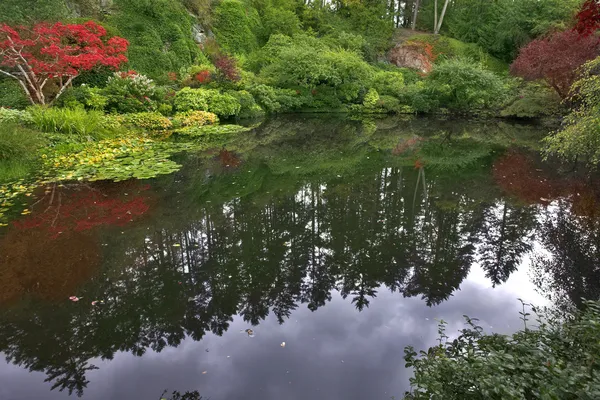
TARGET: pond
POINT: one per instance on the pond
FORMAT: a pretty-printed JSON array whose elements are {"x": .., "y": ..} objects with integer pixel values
[{"x": 296, "y": 261}]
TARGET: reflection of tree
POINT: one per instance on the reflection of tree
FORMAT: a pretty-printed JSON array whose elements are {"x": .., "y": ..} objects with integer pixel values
[
  {"x": 571, "y": 270},
  {"x": 504, "y": 240},
  {"x": 288, "y": 241}
]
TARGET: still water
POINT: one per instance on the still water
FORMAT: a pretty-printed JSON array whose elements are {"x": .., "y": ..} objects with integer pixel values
[{"x": 336, "y": 242}]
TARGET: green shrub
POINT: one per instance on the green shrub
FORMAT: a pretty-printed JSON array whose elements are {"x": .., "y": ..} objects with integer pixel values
[
  {"x": 533, "y": 100},
  {"x": 71, "y": 121},
  {"x": 275, "y": 100},
  {"x": 371, "y": 98},
  {"x": 153, "y": 121},
  {"x": 159, "y": 32},
  {"x": 8, "y": 115},
  {"x": 12, "y": 95},
  {"x": 193, "y": 99},
  {"x": 18, "y": 142},
  {"x": 130, "y": 92},
  {"x": 388, "y": 82},
  {"x": 236, "y": 25},
  {"x": 195, "y": 118},
  {"x": 418, "y": 98},
  {"x": 222, "y": 104},
  {"x": 277, "y": 20},
  {"x": 557, "y": 360},
  {"x": 249, "y": 108},
  {"x": 83, "y": 96},
  {"x": 346, "y": 41},
  {"x": 463, "y": 86}
]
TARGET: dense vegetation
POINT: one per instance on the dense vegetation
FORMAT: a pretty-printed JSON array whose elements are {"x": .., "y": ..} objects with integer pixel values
[{"x": 111, "y": 89}]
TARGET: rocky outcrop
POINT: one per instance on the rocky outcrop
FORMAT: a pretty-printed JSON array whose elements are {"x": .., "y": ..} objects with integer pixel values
[{"x": 408, "y": 56}]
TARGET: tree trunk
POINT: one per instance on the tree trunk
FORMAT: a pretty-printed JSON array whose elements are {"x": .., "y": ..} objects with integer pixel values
[
  {"x": 439, "y": 25},
  {"x": 415, "y": 14},
  {"x": 435, "y": 15}
]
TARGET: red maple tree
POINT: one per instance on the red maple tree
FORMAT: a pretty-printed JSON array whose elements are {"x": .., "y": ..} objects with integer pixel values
[
  {"x": 588, "y": 18},
  {"x": 556, "y": 59},
  {"x": 56, "y": 53}
]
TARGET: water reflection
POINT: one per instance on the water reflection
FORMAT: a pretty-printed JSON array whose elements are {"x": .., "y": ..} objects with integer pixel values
[{"x": 285, "y": 222}]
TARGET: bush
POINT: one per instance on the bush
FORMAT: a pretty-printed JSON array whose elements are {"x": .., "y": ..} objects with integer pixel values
[
  {"x": 249, "y": 108},
  {"x": 236, "y": 25},
  {"x": 371, "y": 98},
  {"x": 388, "y": 82},
  {"x": 533, "y": 100},
  {"x": 83, "y": 96},
  {"x": 275, "y": 100},
  {"x": 12, "y": 95},
  {"x": 129, "y": 92},
  {"x": 72, "y": 121},
  {"x": 153, "y": 121},
  {"x": 418, "y": 98},
  {"x": 463, "y": 86},
  {"x": 558, "y": 360},
  {"x": 8, "y": 115},
  {"x": 195, "y": 118},
  {"x": 279, "y": 21},
  {"x": 18, "y": 142},
  {"x": 224, "y": 105}
]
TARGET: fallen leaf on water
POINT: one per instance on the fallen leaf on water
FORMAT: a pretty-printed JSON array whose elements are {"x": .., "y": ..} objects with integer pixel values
[
  {"x": 204, "y": 372},
  {"x": 97, "y": 302},
  {"x": 250, "y": 332},
  {"x": 74, "y": 298},
  {"x": 282, "y": 344}
]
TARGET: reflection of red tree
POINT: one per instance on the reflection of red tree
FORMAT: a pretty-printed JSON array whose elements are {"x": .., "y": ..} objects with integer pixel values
[
  {"x": 50, "y": 253},
  {"x": 84, "y": 208},
  {"x": 229, "y": 159},
  {"x": 518, "y": 176}
]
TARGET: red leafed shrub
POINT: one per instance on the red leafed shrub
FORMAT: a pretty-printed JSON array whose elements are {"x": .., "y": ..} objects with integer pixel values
[
  {"x": 203, "y": 76},
  {"x": 556, "y": 59},
  {"x": 172, "y": 76},
  {"x": 588, "y": 19},
  {"x": 227, "y": 67},
  {"x": 56, "y": 53}
]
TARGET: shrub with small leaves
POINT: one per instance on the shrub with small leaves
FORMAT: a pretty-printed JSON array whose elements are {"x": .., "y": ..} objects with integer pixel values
[
  {"x": 8, "y": 115},
  {"x": 152, "y": 121},
  {"x": 559, "y": 359},
  {"x": 128, "y": 92},
  {"x": 195, "y": 118},
  {"x": 371, "y": 98}
]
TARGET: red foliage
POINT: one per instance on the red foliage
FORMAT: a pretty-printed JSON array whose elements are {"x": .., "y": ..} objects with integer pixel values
[
  {"x": 35, "y": 56},
  {"x": 203, "y": 76},
  {"x": 229, "y": 159},
  {"x": 556, "y": 59},
  {"x": 588, "y": 18},
  {"x": 227, "y": 67}
]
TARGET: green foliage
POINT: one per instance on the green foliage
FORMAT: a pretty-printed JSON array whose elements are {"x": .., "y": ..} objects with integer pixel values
[
  {"x": 371, "y": 98},
  {"x": 18, "y": 151},
  {"x": 418, "y": 97},
  {"x": 129, "y": 93},
  {"x": 236, "y": 25},
  {"x": 30, "y": 11},
  {"x": 222, "y": 104},
  {"x": 114, "y": 159},
  {"x": 453, "y": 155},
  {"x": 501, "y": 27},
  {"x": 275, "y": 100},
  {"x": 152, "y": 121},
  {"x": 212, "y": 130},
  {"x": 12, "y": 95},
  {"x": 532, "y": 101},
  {"x": 159, "y": 32},
  {"x": 195, "y": 118},
  {"x": 279, "y": 21},
  {"x": 463, "y": 86},
  {"x": 249, "y": 108},
  {"x": 69, "y": 121},
  {"x": 580, "y": 136},
  {"x": 446, "y": 48},
  {"x": 8, "y": 115},
  {"x": 388, "y": 82},
  {"x": 83, "y": 96},
  {"x": 558, "y": 360}
]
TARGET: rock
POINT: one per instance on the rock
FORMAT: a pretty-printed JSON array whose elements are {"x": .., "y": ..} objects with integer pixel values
[{"x": 409, "y": 57}]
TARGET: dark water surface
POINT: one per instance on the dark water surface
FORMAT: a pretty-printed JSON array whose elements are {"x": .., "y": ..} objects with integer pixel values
[{"x": 345, "y": 240}]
